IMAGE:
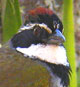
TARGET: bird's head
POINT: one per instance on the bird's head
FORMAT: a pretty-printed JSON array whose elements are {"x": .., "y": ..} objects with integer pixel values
[
  {"x": 41, "y": 26},
  {"x": 41, "y": 37}
]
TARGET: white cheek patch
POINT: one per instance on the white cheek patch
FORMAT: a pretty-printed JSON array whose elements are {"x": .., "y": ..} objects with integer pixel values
[{"x": 49, "y": 53}]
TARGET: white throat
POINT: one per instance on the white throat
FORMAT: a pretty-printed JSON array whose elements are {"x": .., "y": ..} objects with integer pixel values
[{"x": 49, "y": 53}]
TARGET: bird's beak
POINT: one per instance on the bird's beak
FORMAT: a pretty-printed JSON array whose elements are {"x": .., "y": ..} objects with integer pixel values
[{"x": 56, "y": 38}]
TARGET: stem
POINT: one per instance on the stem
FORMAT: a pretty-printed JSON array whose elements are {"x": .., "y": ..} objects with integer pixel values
[{"x": 68, "y": 22}]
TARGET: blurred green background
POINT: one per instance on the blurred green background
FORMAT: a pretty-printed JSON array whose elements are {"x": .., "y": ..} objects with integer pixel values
[{"x": 12, "y": 16}]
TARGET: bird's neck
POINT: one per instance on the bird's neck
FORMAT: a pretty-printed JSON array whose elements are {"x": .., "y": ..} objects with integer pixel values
[{"x": 49, "y": 53}]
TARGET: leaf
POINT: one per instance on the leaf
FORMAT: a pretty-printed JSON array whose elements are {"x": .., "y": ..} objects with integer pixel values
[
  {"x": 11, "y": 18},
  {"x": 68, "y": 22},
  {"x": 17, "y": 12},
  {"x": 78, "y": 77}
]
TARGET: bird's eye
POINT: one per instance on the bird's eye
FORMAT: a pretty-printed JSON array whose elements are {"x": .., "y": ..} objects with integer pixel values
[{"x": 56, "y": 25}]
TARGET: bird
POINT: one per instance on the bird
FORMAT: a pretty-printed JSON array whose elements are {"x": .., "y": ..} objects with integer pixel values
[{"x": 41, "y": 38}]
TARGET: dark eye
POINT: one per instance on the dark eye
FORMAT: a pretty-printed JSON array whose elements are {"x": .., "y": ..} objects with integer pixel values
[{"x": 56, "y": 25}]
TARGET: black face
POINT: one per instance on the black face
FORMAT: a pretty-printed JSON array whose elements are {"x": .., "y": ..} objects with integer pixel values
[
  {"x": 38, "y": 34},
  {"x": 28, "y": 37}
]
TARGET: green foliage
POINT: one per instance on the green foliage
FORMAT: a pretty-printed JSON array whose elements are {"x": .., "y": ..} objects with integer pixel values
[
  {"x": 69, "y": 34},
  {"x": 78, "y": 76},
  {"x": 11, "y": 18}
]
